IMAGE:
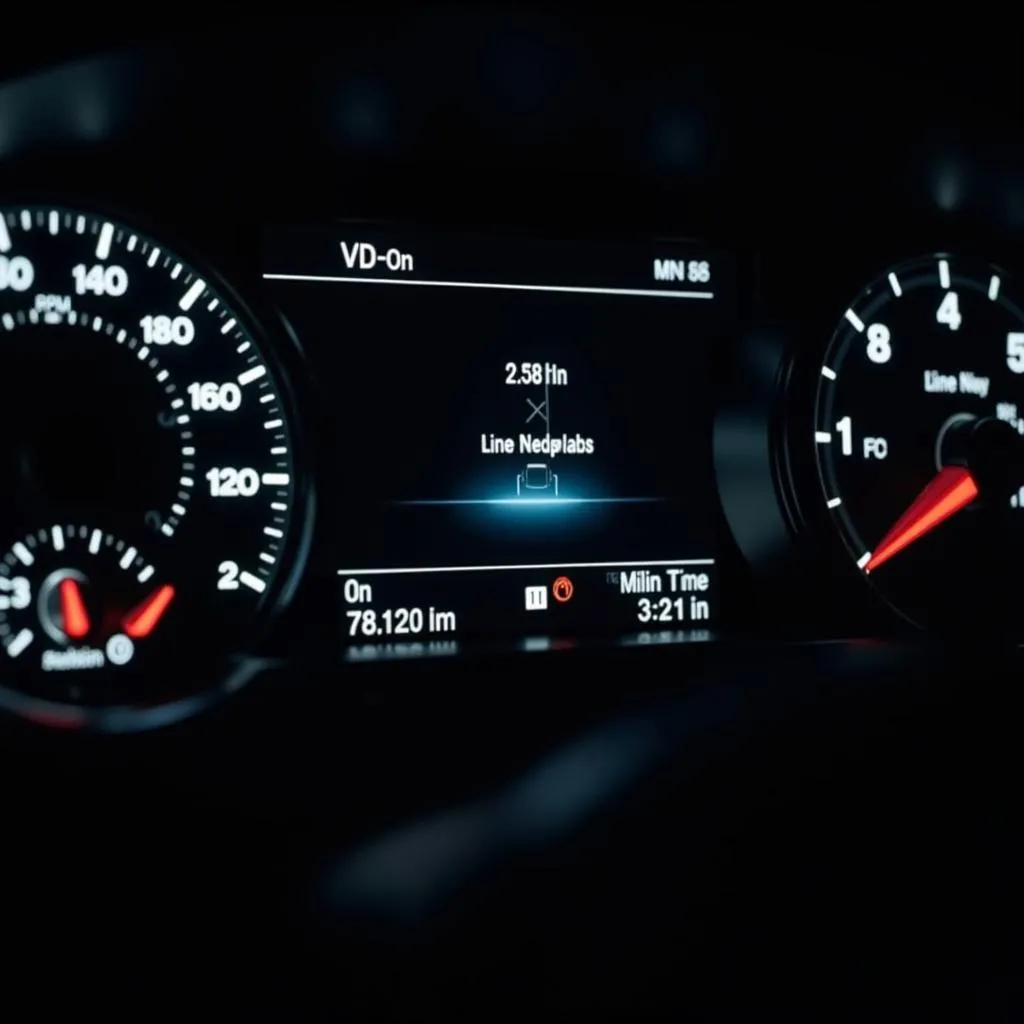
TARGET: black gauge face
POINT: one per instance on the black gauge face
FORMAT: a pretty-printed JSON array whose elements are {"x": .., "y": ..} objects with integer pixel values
[
  {"x": 143, "y": 410},
  {"x": 919, "y": 434}
]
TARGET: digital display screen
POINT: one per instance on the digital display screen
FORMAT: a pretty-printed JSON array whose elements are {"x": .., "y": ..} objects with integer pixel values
[{"x": 524, "y": 428}]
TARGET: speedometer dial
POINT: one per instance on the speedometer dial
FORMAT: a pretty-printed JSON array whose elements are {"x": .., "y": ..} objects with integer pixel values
[
  {"x": 919, "y": 436},
  {"x": 139, "y": 401}
]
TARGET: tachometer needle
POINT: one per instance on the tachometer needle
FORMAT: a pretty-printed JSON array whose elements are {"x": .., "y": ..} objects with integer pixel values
[
  {"x": 952, "y": 489},
  {"x": 143, "y": 619},
  {"x": 72, "y": 610}
]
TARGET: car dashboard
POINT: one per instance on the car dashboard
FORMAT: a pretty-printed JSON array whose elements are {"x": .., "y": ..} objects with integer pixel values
[{"x": 388, "y": 400}]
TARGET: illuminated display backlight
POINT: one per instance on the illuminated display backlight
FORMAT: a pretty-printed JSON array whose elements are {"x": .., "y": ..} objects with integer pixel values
[{"x": 524, "y": 427}]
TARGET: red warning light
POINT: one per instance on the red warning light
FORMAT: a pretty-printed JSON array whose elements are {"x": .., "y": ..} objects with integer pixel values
[{"x": 562, "y": 589}]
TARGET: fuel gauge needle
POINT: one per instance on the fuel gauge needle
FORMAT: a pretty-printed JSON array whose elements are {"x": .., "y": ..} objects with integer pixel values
[
  {"x": 952, "y": 489},
  {"x": 144, "y": 617},
  {"x": 72, "y": 609}
]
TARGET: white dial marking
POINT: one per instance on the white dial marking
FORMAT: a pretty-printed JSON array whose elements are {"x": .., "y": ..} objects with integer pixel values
[
  {"x": 944, "y": 273},
  {"x": 5, "y": 238},
  {"x": 188, "y": 300},
  {"x": 57, "y": 538},
  {"x": 127, "y": 558},
  {"x": 894, "y": 284},
  {"x": 993, "y": 288},
  {"x": 822, "y": 437},
  {"x": 276, "y": 479},
  {"x": 253, "y": 374},
  {"x": 854, "y": 319},
  {"x": 24, "y": 555},
  {"x": 94, "y": 542},
  {"x": 834, "y": 502},
  {"x": 104, "y": 242},
  {"x": 864, "y": 559},
  {"x": 20, "y": 642},
  {"x": 252, "y": 582}
]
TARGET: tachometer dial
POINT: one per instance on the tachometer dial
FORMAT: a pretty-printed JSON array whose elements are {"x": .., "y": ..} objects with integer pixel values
[
  {"x": 919, "y": 436},
  {"x": 139, "y": 397}
]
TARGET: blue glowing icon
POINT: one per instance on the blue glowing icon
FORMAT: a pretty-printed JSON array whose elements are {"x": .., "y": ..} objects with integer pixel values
[{"x": 537, "y": 476}]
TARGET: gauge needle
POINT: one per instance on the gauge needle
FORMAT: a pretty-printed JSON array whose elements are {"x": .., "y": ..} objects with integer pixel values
[
  {"x": 143, "y": 619},
  {"x": 72, "y": 610},
  {"x": 952, "y": 489}
]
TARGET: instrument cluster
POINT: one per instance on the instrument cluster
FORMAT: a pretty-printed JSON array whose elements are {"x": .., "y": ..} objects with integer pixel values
[{"x": 354, "y": 412}]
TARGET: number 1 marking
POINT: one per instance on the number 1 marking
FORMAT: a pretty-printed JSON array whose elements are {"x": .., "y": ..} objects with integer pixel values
[{"x": 845, "y": 428}]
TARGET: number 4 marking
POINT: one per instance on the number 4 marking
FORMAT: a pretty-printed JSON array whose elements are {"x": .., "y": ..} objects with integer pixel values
[{"x": 948, "y": 312}]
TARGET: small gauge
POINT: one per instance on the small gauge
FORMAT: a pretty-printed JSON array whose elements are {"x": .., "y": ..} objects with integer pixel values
[
  {"x": 80, "y": 609},
  {"x": 919, "y": 435}
]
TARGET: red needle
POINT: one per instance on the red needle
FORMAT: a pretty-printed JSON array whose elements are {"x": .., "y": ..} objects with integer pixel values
[
  {"x": 143, "y": 619},
  {"x": 72, "y": 610},
  {"x": 951, "y": 490}
]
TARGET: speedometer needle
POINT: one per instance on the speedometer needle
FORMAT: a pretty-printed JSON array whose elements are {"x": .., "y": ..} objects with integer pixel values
[{"x": 952, "y": 489}]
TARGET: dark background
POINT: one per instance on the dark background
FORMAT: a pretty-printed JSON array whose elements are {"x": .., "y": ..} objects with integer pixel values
[{"x": 703, "y": 830}]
